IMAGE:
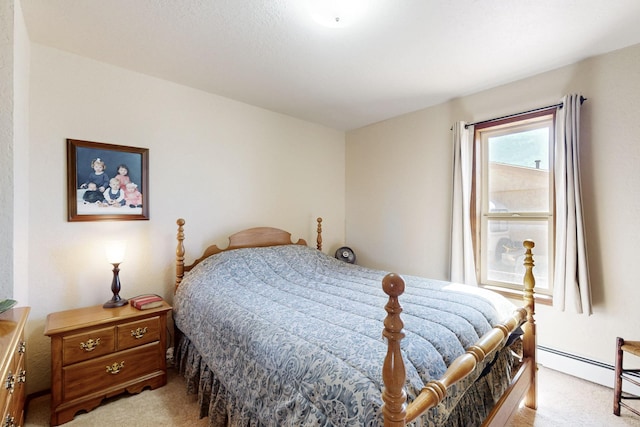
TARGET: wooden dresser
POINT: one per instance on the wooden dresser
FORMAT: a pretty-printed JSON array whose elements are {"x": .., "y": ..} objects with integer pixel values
[
  {"x": 100, "y": 352},
  {"x": 12, "y": 356}
]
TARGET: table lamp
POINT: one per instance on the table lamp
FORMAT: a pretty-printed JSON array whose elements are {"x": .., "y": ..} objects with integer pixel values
[{"x": 115, "y": 255}]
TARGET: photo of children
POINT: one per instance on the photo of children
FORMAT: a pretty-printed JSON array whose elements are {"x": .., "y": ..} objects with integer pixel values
[{"x": 107, "y": 181}]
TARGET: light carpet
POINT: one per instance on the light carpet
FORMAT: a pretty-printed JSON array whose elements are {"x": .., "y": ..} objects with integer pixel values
[
  {"x": 563, "y": 401},
  {"x": 165, "y": 406}
]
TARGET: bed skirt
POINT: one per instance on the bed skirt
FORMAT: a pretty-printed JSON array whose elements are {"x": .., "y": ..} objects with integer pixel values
[
  {"x": 214, "y": 400},
  {"x": 470, "y": 409}
]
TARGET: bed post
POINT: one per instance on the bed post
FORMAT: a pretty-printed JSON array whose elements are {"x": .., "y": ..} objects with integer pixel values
[
  {"x": 179, "y": 254},
  {"x": 529, "y": 327},
  {"x": 393, "y": 371},
  {"x": 319, "y": 230}
]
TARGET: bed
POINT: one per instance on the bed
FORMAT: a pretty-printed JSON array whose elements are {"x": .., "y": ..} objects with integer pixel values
[{"x": 271, "y": 332}]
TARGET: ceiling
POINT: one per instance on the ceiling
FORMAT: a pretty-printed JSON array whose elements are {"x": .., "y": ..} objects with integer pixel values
[{"x": 395, "y": 57}]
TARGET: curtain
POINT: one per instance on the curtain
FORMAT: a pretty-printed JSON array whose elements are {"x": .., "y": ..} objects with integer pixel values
[
  {"x": 571, "y": 277},
  {"x": 462, "y": 264}
]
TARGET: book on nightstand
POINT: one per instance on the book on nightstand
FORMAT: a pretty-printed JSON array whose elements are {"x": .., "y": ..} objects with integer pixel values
[{"x": 145, "y": 302}]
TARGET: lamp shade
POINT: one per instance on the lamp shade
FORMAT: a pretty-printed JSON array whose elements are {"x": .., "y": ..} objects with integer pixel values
[{"x": 115, "y": 250}]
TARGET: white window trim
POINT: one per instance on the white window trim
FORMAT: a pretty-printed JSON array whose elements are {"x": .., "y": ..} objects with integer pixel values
[{"x": 482, "y": 133}]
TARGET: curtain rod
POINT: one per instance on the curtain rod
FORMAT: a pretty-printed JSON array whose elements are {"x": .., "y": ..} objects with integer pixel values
[{"x": 535, "y": 110}]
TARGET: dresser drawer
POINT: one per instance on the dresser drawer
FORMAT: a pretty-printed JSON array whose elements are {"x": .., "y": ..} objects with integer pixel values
[
  {"x": 14, "y": 377},
  {"x": 88, "y": 345},
  {"x": 7, "y": 418},
  {"x": 139, "y": 332},
  {"x": 17, "y": 399},
  {"x": 19, "y": 394},
  {"x": 99, "y": 374},
  {"x": 12, "y": 371}
]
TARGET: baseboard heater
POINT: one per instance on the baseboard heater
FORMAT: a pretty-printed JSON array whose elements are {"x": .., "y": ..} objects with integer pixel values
[{"x": 587, "y": 369}]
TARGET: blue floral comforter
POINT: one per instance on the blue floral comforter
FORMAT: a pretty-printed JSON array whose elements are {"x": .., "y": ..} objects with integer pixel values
[{"x": 294, "y": 337}]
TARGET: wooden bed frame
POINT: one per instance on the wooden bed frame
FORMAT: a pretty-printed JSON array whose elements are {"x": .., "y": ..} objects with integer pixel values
[{"x": 395, "y": 410}]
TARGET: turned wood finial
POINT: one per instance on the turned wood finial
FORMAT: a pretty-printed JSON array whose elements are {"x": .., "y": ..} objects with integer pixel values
[
  {"x": 529, "y": 327},
  {"x": 319, "y": 230},
  {"x": 393, "y": 370},
  {"x": 179, "y": 254},
  {"x": 529, "y": 280}
]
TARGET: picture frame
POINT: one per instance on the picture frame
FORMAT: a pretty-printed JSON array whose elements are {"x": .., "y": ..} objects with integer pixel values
[{"x": 92, "y": 193}]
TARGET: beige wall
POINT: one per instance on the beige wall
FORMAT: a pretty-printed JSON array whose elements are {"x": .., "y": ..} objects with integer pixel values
[
  {"x": 399, "y": 193},
  {"x": 220, "y": 164}
]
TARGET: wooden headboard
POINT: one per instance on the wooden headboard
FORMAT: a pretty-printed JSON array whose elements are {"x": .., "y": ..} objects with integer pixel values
[{"x": 251, "y": 238}]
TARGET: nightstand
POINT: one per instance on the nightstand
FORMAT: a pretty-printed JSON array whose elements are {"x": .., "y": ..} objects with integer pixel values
[{"x": 100, "y": 352}]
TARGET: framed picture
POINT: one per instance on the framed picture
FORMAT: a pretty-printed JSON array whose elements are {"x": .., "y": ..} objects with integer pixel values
[{"x": 106, "y": 181}]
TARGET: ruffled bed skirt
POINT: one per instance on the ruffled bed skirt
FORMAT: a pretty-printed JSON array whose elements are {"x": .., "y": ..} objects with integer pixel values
[
  {"x": 214, "y": 400},
  {"x": 223, "y": 409}
]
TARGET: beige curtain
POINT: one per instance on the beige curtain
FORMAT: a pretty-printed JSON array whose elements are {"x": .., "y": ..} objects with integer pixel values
[
  {"x": 462, "y": 265},
  {"x": 571, "y": 287}
]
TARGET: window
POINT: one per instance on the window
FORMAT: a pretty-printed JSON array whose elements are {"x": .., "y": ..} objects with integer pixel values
[{"x": 514, "y": 200}]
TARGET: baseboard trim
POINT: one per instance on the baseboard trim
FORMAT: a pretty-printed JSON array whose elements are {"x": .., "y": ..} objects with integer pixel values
[{"x": 581, "y": 367}]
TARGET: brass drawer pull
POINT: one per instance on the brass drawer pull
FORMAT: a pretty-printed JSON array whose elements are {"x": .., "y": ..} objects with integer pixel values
[
  {"x": 10, "y": 382},
  {"x": 90, "y": 345},
  {"x": 9, "y": 421},
  {"x": 22, "y": 376},
  {"x": 115, "y": 368},
  {"x": 22, "y": 348},
  {"x": 139, "y": 333}
]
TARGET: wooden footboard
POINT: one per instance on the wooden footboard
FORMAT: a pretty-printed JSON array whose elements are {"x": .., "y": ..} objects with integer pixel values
[{"x": 395, "y": 410}]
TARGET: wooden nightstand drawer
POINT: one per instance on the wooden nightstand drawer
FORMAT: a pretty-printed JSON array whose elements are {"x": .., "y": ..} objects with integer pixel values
[
  {"x": 137, "y": 333},
  {"x": 108, "y": 371},
  {"x": 87, "y": 345}
]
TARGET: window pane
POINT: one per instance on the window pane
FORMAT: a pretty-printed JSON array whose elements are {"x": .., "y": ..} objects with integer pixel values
[
  {"x": 518, "y": 174},
  {"x": 505, "y": 253}
]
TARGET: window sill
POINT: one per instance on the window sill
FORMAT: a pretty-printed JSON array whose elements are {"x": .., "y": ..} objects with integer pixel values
[{"x": 518, "y": 295}]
